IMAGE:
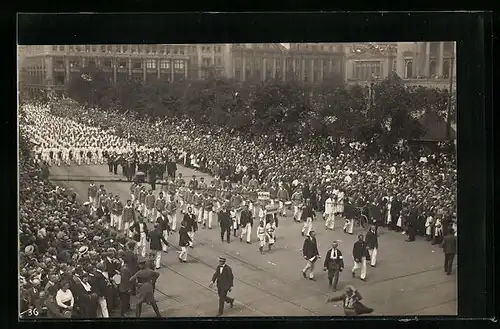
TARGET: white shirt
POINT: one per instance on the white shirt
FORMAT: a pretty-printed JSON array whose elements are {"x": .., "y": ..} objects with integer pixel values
[
  {"x": 64, "y": 297},
  {"x": 333, "y": 254}
]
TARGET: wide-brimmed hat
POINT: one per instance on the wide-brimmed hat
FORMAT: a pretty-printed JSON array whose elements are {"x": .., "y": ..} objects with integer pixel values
[
  {"x": 83, "y": 250},
  {"x": 29, "y": 250}
]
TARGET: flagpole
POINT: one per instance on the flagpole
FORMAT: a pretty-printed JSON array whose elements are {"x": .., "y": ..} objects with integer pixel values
[{"x": 448, "y": 116}]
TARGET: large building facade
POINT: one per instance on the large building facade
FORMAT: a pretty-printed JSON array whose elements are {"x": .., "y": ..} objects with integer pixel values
[
  {"x": 51, "y": 67},
  {"x": 302, "y": 61},
  {"x": 417, "y": 63},
  {"x": 428, "y": 64}
]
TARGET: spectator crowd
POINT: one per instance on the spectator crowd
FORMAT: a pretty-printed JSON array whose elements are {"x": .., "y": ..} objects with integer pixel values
[{"x": 65, "y": 251}]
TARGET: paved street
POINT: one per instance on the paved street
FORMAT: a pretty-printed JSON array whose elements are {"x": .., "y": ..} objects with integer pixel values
[{"x": 408, "y": 279}]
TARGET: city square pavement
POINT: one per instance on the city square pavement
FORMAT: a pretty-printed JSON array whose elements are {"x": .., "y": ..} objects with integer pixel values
[{"x": 409, "y": 278}]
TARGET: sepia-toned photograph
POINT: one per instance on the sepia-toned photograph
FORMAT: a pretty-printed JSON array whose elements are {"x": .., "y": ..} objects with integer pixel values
[{"x": 237, "y": 180}]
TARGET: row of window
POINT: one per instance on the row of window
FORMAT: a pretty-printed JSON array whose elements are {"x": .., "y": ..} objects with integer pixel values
[
  {"x": 367, "y": 70},
  {"x": 314, "y": 76},
  {"x": 60, "y": 77},
  {"x": 289, "y": 62},
  {"x": 208, "y": 49},
  {"x": 207, "y": 61},
  {"x": 122, "y": 63},
  {"x": 364, "y": 70},
  {"x": 149, "y": 49},
  {"x": 307, "y": 47},
  {"x": 409, "y": 74}
]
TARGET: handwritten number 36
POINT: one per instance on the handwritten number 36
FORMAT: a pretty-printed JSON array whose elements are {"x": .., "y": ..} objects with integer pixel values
[{"x": 33, "y": 312}]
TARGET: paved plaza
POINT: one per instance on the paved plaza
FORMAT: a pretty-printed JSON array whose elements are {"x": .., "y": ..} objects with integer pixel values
[{"x": 409, "y": 278}]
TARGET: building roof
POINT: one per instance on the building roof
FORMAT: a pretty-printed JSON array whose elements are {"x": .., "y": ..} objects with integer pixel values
[{"x": 283, "y": 47}]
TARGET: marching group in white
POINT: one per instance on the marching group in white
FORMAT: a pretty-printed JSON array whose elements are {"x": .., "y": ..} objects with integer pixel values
[{"x": 63, "y": 141}]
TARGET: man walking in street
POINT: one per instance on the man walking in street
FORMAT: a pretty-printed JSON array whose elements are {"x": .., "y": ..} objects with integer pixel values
[
  {"x": 359, "y": 253},
  {"x": 450, "y": 249},
  {"x": 371, "y": 239},
  {"x": 311, "y": 255},
  {"x": 156, "y": 238},
  {"x": 334, "y": 264},
  {"x": 125, "y": 289},
  {"x": 224, "y": 277},
  {"x": 225, "y": 224},
  {"x": 246, "y": 224},
  {"x": 307, "y": 217},
  {"x": 191, "y": 225},
  {"x": 145, "y": 278}
]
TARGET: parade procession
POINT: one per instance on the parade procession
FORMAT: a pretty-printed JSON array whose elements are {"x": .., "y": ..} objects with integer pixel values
[{"x": 125, "y": 215}]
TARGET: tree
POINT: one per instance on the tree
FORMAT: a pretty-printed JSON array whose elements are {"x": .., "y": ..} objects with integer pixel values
[{"x": 391, "y": 116}]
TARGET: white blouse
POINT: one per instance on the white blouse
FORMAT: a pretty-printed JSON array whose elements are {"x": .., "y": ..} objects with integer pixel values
[{"x": 64, "y": 297}]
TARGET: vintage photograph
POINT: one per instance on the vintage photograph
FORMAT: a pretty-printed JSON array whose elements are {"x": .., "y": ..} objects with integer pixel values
[{"x": 237, "y": 180}]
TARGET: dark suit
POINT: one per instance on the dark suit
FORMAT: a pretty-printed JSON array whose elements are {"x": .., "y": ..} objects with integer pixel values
[
  {"x": 130, "y": 258},
  {"x": 184, "y": 238},
  {"x": 246, "y": 217},
  {"x": 310, "y": 248},
  {"x": 334, "y": 265},
  {"x": 396, "y": 207},
  {"x": 411, "y": 224},
  {"x": 111, "y": 268},
  {"x": 359, "y": 251},
  {"x": 224, "y": 280},
  {"x": 225, "y": 225},
  {"x": 100, "y": 283},
  {"x": 103, "y": 212},
  {"x": 371, "y": 240},
  {"x": 137, "y": 231},
  {"x": 191, "y": 224},
  {"x": 450, "y": 249},
  {"x": 125, "y": 289},
  {"x": 156, "y": 238},
  {"x": 146, "y": 278}
]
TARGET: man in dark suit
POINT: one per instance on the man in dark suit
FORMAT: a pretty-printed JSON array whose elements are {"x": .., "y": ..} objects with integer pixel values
[
  {"x": 224, "y": 277},
  {"x": 411, "y": 224},
  {"x": 246, "y": 222},
  {"x": 359, "y": 253},
  {"x": 101, "y": 286},
  {"x": 125, "y": 289},
  {"x": 156, "y": 238},
  {"x": 103, "y": 213},
  {"x": 396, "y": 207},
  {"x": 334, "y": 263},
  {"x": 371, "y": 239},
  {"x": 225, "y": 224},
  {"x": 145, "y": 278},
  {"x": 130, "y": 258},
  {"x": 311, "y": 255},
  {"x": 191, "y": 225},
  {"x": 450, "y": 249}
]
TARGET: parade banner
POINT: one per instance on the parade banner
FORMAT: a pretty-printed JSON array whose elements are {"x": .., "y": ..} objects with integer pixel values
[
  {"x": 263, "y": 196},
  {"x": 272, "y": 209}
]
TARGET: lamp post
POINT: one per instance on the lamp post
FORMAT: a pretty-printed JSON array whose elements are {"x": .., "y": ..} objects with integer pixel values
[{"x": 448, "y": 116}]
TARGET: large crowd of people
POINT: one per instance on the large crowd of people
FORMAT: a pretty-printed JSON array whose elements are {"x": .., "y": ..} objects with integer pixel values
[{"x": 71, "y": 253}]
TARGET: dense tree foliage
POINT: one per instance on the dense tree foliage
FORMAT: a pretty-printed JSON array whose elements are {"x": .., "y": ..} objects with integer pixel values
[{"x": 290, "y": 111}]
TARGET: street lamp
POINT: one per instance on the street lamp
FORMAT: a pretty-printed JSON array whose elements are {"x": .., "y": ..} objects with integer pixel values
[{"x": 448, "y": 117}]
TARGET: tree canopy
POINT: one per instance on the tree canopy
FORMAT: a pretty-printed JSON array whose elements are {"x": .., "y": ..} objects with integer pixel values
[{"x": 289, "y": 110}]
